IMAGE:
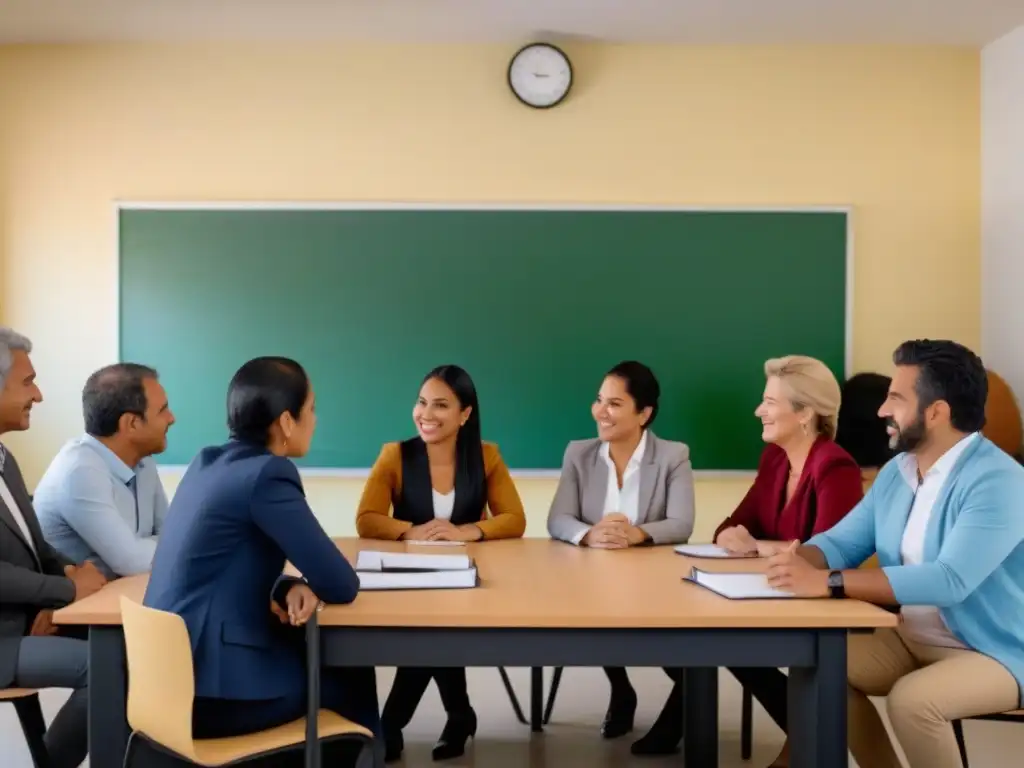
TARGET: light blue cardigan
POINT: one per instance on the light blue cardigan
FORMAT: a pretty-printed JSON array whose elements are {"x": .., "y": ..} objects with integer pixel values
[{"x": 973, "y": 568}]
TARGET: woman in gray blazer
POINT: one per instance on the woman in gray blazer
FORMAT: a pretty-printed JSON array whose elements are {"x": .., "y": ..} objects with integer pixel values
[{"x": 626, "y": 488}]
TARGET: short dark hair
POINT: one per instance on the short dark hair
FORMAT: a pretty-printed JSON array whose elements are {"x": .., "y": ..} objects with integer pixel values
[
  {"x": 262, "y": 390},
  {"x": 642, "y": 385},
  {"x": 951, "y": 372},
  {"x": 111, "y": 392}
]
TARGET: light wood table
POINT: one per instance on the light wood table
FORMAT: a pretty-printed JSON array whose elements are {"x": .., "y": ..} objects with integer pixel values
[{"x": 544, "y": 603}]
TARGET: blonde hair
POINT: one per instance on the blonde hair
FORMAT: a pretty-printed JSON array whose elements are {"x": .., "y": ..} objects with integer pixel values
[{"x": 811, "y": 385}]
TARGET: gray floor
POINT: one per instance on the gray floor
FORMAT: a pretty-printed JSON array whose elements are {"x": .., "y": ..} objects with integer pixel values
[{"x": 572, "y": 738}]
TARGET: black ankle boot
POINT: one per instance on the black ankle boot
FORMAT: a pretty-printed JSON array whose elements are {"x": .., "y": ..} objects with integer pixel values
[
  {"x": 460, "y": 727},
  {"x": 618, "y": 720}
]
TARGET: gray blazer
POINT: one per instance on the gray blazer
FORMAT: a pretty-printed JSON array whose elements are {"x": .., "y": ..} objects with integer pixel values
[
  {"x": 666, "y": 507},
  {"x": 29, "y": 580}
]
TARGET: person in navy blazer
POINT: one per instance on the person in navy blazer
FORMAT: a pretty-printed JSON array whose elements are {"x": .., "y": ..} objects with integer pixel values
[{"x": 238, "y": 514}]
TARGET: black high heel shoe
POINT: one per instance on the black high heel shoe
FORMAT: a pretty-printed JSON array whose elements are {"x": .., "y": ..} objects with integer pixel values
[
  {"x": 667, "y": 731},
  {"x": 460, "y": 727},
  {"x": 618, "y": 720}
]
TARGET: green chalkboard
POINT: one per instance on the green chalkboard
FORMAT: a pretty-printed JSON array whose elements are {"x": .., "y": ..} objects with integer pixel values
[{"x": 535, "y": 304}]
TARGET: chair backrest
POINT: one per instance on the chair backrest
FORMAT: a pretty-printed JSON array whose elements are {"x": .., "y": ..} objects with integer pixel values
[{"x": 161, "y": 679}]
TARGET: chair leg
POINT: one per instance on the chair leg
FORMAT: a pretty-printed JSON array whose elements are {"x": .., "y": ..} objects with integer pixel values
[
  {"x": 512, "y": 698},
  {"x": 958, "y": 731},
  {"x": 30, "y": 714},
  {"x": 747, "y": 724},
  {"x": 556, "y": 678}
]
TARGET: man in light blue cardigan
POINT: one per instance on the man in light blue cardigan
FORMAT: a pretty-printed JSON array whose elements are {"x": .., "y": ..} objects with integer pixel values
[{"x": 946, "y": 518}]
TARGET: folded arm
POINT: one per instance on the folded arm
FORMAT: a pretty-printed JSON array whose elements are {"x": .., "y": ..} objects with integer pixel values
[
  {"x": 93, "y": 515},
  {"x": 23, "y": 586}
]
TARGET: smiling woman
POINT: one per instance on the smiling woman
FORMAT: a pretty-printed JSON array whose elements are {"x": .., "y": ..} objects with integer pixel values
[
  {"x": 627, "y": 488},
  {"x": 440, "y": 485}
]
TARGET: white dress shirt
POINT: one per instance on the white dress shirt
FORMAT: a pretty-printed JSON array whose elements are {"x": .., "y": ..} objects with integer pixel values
[
  {"x": 923, "y": 623},
  {"x": 624, "y": 500},
  {"x": 444, "y": 503},
  {"x": 19, "y": 516}
]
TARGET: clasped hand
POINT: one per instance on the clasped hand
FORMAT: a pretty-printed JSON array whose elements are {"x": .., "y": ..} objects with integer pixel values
[
  {"x": 301, "y": 605},
  {"x": 443, "y": 530},
  {"x": 614, "y": 531}
]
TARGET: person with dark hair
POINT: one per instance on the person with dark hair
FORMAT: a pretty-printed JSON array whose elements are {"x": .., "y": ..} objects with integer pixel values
[
  {"x": 945, "y": 519},
  {"x": 438, "y": 486},
  {"x": 238, "y": 515},
  {"x": 861, "y": 432},
  {"x": 101, "y": 498},
  {"x": 626, "y": 488}
]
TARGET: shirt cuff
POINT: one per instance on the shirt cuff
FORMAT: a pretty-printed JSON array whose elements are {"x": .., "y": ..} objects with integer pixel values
[{"x": 579, "y": 536}]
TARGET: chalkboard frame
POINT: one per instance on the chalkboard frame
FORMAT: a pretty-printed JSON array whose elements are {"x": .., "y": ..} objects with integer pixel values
[{"x": 368, "y": 205}]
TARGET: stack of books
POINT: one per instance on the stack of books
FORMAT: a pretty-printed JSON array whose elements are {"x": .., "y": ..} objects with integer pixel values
[{"x": 409, "y": 570}]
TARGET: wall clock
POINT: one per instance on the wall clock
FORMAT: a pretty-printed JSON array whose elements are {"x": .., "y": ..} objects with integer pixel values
[{"x": 540, "y": 75}]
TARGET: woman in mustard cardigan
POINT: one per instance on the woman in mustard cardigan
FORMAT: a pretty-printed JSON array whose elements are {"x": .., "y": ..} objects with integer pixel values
[{"x": 438, "y": 486}]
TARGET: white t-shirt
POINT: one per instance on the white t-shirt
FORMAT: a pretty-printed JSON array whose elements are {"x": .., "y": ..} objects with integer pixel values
[
  {"x": 444, "y": 503},
  {"x": 923, "y": 623}
]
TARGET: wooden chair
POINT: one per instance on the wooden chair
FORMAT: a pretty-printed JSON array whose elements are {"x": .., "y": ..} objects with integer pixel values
[
  {"x": 1017, "y": 716},
  {"x": 33, "y": 725},
  {"x": 161, "y": 691}
]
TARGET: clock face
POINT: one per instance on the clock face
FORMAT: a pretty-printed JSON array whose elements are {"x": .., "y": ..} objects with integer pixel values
[{"x": 540, "y": 75}]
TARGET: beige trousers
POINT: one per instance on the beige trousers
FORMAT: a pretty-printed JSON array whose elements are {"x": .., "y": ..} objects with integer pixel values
[{"x": 925, "y": 687}]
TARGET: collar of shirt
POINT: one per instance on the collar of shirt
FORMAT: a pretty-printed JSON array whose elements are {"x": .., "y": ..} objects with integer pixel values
[
  {"x": 3, "y": 457},
  {"x": 635, "y": 459},
  {"x": 940, "y": 469},
  {"x": 117, "y": 467}
]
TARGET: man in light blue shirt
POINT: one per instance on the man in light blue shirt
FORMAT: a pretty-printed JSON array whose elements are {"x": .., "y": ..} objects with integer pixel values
[
  {"x": 946, "y": 518},
  {"x": 101, "y": 497}
]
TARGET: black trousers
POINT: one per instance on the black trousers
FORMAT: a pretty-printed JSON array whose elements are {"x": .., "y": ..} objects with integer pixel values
[
  {"x": 410, "y": 685},
  {"x": 769, "y": 686},
  {"x": 350, "y": 692},
  {"x": 620, "y": 680}
]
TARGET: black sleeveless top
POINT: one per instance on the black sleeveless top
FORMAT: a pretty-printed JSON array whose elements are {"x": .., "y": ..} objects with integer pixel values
[{"x": 415, "y": 502}]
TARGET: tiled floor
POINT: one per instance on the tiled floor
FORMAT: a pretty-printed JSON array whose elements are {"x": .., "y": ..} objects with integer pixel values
[{"x": 572, "y": 738}]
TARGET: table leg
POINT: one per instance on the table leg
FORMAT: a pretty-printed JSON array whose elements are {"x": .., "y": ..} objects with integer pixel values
[
  {"x": 536, "y": 699},
  {"x": 108, "y": 697},
  {"x": 817, "y": 706},
  {"x": 700, "y": 717}
]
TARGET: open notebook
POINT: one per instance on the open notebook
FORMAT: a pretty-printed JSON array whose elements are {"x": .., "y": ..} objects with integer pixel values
[
  {"x": 708, "y": 550},
  {"x": 408, "y": 570},
  {"x": 737, "y": 586}
]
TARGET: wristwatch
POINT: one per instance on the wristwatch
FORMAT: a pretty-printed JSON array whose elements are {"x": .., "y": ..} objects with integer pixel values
[{"x": 835, "y": 585}]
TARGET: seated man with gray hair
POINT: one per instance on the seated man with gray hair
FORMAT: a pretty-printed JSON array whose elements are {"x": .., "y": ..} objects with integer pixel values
[
  {"x": 35, "y": 579},
  {"x": 101, "y": 498}
]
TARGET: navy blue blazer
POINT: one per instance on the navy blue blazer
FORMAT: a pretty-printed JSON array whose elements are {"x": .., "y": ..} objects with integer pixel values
[{"x": 237, "y": 515}]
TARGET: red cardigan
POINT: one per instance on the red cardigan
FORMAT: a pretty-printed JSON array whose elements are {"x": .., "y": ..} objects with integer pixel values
[{"x": 830, "y": 486}]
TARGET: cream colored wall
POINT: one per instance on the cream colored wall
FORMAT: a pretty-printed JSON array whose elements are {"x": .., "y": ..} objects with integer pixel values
[{"x": 894, "y": 132}]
